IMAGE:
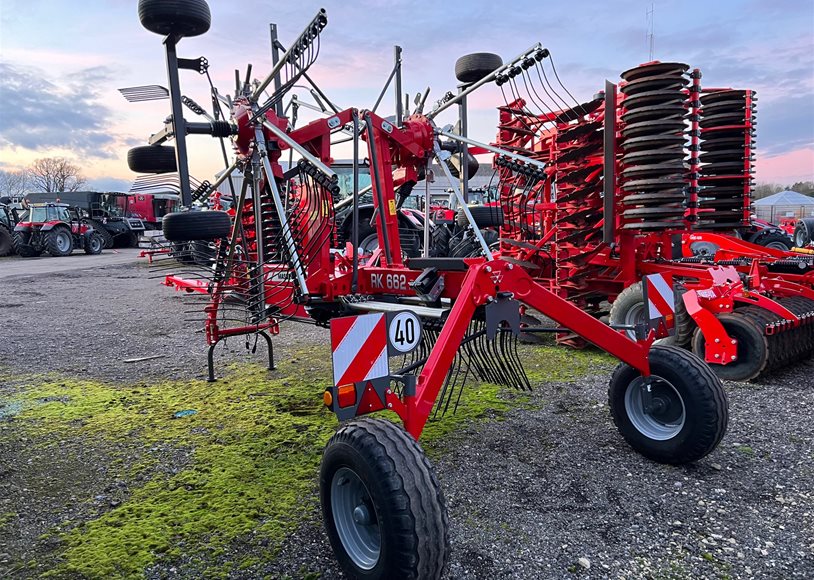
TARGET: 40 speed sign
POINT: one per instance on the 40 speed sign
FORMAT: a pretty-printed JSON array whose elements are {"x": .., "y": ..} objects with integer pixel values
[{"x": 403, "y": 332}]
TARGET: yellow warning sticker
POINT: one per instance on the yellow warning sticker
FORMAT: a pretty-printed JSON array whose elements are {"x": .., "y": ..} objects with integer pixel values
[{"x": 392, "y": 205}]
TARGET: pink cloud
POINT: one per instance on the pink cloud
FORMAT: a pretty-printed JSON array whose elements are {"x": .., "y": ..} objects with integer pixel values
[{"x": 786, "y": 168}]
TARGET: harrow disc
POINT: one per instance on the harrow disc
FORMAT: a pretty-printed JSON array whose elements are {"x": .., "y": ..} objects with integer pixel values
[
  {"x": 655, "y": 69},
  {"x": 648, "y": 157},
  {"x": 652, "y": 142},
  {"x": 655, "y": 112},
  {"x": 654, "y": 127},
  {"x": 654, "y": 83},
  {"x": 653, "y": 98}
]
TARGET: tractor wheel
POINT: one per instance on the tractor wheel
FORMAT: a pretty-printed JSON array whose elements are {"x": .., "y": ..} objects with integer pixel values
[
  {"x": 485, "y": 216},
  {"x": 152, "y": 159},
  {"x": 382, "y": 505},
  {"x": 59, "y": 242},
  {"x": 802, "y": 237},
  {"x": 688, "y": 412},
  {"x": 774, "y": 241},
  {"x": 181, "y": 17},
  {"x": 471, "y": 68},
  {"x": 94, "y": 244},
  {"x": 131, "y": 239},
  {"x": 753, "y": 348},
  {"x": 441, "y": 237},
  {"x": 196, "y": 225},
  {"x": 6, "y": 243},
  {"x": 99, "y": 228},
  {"x": 629, "y": 308},
  {"x": 23, "y": 249}
]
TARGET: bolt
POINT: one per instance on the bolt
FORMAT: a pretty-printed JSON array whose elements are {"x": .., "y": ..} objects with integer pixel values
[
  {"x": 388, "y": 391},
  {"x": 733, "y": 341},
  {"x": 509, "y": 266},
  {"x": 717, "y": 356},
  {"x": 488, "y": 268},
  {"x": 733, "y": 357},
  {"x": 717, "y": 340},
  {"x": 389, "y": 405}
]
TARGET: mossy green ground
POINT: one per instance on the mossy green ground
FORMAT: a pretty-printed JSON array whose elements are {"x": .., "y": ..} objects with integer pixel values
[{"x": 248, "y": 457}]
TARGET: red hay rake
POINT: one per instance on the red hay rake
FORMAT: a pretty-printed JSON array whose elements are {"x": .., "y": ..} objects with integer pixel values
[{"x": 406, "y": 333}]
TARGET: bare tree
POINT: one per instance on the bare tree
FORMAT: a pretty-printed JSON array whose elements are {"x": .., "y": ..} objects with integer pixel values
[
  {"x": 13, "y": 183},
  {"x": 52, "y": 174}
]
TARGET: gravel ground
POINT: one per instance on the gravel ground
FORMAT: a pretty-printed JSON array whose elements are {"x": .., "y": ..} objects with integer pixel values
[{"x": 550, "y": 492}]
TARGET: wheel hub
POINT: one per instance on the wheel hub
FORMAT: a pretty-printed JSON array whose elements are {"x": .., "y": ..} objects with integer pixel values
[
  {"x": 361, "y": 515},
  {"x": 356, "y": 523},
  {"x": 655, "y": 410}
]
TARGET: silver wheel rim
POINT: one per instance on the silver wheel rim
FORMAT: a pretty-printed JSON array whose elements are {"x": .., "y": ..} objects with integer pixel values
[
  {"x": 666, "y": 420},
  {"x": 634, "y": 316},
  {"x": 63, "y": 242},
  {"x": 369, "y": 245},
  {"x": 355, "y": 519},
  {"x": 800, "y": 239}
]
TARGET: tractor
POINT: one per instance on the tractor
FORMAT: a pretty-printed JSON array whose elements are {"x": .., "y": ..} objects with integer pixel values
[
  {"x": 406, "y": 332},
  {"x": 55, "y": 228},
  {"x": 8, "y": 219},
  {"x": 110, "y": 214}
]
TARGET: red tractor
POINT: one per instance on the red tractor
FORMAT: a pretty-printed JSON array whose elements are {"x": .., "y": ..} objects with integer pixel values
[{"x": 55, "y": 228}]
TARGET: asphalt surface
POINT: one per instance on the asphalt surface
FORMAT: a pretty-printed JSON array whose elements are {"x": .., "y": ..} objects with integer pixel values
[{"x": 15, "y": 266}]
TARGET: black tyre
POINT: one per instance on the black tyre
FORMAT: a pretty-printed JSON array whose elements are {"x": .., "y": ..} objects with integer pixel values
[
  {"x": 59, "y": 242},
  {"x": 440, "y": 240},
  {"x": 152, "y": 159},
  {"x": 774, "y": 241},
  {"x": 382, "y": 505},
  {"x": 485, "y": 216},
  {"x": 629, "y": 309},
  {"x": 99, "y": 228},
  {"x": 802, "y": 235},
  {"x": 196, "y": 225},
  {"x": 752, "y": 353},
  {"x": 23, "y": 249},
  {"x": 688, "y": 414},
  {"x": 94, "y": 244},
  {"x": 131, "y": 239},
  {"x": 182, "y": 17},
  {"x": 6, "y": 243},
  {"x": 471, "y": 68}
]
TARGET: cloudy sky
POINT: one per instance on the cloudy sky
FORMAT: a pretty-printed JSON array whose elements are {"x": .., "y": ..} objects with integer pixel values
[{"x": 62, "y": 61}]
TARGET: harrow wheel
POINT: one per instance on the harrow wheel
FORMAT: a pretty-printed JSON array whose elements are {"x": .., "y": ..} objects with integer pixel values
[
  {"x": 686, "y": 416},
  {"x": 753, "y": 348},
  {"x": 180, "y": 17},
  {"x": 629, "y": 309},
  {"x": 382, "y": 505}
]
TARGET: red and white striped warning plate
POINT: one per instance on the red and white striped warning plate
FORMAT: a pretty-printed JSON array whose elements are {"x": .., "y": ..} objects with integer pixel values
[
  {"x": 359, "y": 348},
  {"x": 661, "y": 302}
]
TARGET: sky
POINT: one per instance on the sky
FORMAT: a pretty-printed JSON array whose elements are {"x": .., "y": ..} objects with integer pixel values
[{"x": 62, "y": 61}]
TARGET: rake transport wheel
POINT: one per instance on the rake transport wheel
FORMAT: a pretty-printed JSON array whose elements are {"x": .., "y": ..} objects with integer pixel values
[
  {"x": 485, "y": 216},
  {"x": 803, "y": 234},
  {"x": 687, "y": 414},
  {"x": 152, "y": 159},
  {"x": 181, "y": 17},
  {"x": 59, "y": 242},
  {"x": 471, "y": 68},
  {"x": 382, "y": 505},
  {"x": 196, "y": 225},
  {"x": 629, "y": 309},
  {"x": 753, "y": 348}
]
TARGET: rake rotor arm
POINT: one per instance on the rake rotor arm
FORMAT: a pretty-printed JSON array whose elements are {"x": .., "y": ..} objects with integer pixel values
[{"x": 482, "y": 284}]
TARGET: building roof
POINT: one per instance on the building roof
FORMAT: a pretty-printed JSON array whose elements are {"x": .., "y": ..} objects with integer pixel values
[{"x": 786, "y": 198}]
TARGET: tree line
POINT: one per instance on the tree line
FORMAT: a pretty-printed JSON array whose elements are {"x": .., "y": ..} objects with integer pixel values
[
  {"x": 49, "y": 174},
  {"x": 766, "y": 189}
]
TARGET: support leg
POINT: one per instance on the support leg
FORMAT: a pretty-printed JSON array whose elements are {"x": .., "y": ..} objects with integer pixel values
[
  {"x": 265, "y": 335},
  {"x": 210, "y": 359}
]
